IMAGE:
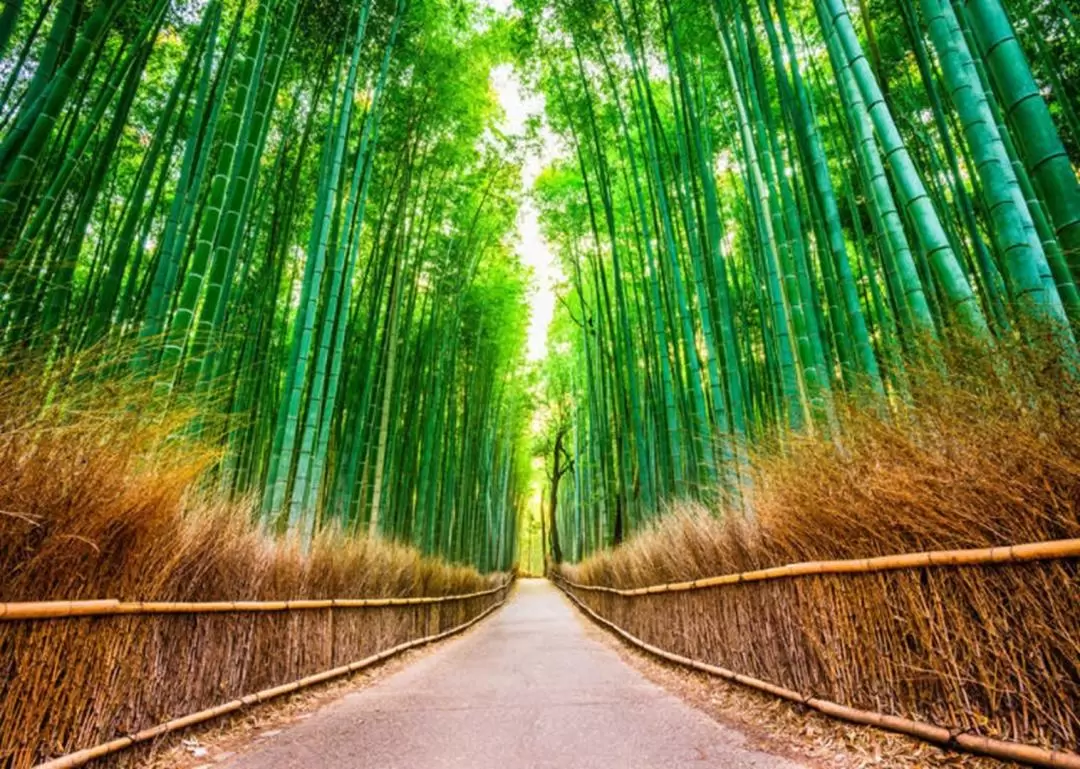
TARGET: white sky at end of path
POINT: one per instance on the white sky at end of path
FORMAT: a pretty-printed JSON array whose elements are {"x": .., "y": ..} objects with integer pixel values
[{"x": 519, "y": 106}]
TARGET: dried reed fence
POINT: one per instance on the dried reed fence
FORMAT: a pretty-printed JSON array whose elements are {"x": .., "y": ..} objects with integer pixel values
[
  {"x": 102, "y": 497},
  {"x": 90, "y": 677},
  {"x": 976, "y": 649}
]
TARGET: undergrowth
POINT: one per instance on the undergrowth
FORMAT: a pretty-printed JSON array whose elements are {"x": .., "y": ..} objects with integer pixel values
[
  {"x": 985, "y": 451},
  {"x": 103, "y": 495}
]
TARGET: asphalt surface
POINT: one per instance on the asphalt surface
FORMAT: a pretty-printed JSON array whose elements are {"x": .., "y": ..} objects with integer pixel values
[{"x": 527, "y": 689}]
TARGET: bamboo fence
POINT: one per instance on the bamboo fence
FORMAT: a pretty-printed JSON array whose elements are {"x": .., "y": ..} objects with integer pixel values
[
  {"x": 984, "y": 639},
  {"x": 79, "y": 673},
  {"x": 82, "y": 757}
]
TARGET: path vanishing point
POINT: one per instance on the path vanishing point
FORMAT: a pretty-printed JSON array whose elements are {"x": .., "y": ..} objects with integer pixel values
[{"x": 527, "y": 689}]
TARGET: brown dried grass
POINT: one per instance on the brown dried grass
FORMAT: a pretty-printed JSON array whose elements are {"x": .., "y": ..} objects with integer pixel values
[
  {"x": 101, "y": 497},
  {"x": 977, "y": 459}
]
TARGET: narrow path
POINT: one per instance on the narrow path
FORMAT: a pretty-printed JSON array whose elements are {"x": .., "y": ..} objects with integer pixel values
[{"x": 529, "y": 689}]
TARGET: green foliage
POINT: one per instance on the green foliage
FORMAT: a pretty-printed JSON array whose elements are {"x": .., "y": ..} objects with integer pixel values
[
  {"x": 767, "y": 206},
  {"x": 300, "y": 212}
]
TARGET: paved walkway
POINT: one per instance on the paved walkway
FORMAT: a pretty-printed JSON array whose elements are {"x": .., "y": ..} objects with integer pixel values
[{"x": 527, "y": 689}]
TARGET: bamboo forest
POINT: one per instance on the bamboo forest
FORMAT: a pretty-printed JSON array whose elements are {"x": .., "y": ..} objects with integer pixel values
[{"x": 405, "y": 299}]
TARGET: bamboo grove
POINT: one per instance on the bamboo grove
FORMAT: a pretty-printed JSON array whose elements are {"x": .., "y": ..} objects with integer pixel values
[
  {"x": 294, "y": 220},
  {"x": 767, "y": 207},
  {"x": 294, "y": 216}
]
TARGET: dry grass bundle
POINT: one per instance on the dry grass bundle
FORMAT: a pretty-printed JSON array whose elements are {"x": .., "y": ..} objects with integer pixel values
[
  {"x": 99, "y": 499},
  {"x": 974, "y": 460}
]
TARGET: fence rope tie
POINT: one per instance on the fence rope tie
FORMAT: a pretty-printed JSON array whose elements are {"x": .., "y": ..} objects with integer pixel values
[{"x": 955, "y": 733}]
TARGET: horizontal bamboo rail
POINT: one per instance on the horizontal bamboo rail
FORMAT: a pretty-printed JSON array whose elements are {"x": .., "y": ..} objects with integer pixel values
[
  {"x": 987, "y": 746},
  {"x": 1035, "y": 551},
  {"x": 61, "y": 609},
  {"x": 85, "y": 756}
]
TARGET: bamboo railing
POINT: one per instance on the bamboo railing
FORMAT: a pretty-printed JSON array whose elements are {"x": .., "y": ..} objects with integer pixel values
[
  {"x": 31, "y": 610},
  {"x": 1034, "y": 551},
  {"x": 951, "y": 738}
]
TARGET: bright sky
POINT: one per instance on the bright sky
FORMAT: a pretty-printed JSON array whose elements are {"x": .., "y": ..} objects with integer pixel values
[{"x": 520, "y": 105}]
